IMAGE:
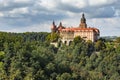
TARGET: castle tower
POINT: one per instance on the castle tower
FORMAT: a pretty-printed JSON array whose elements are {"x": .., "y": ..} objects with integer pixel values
[
  {"x": 60, "y": 25},
  {"x": 53, "y": 27},
  {"x": 83, "y": 22}
]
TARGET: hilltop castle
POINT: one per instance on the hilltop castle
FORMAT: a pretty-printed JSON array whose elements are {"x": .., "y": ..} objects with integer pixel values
[{"x": 68, "y": 34}]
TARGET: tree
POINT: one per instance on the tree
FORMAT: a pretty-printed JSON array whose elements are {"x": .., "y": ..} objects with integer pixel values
[
  {"x": 64, "y": 76},
  {"x": 118, "y": 39},
  {"x": 2, "y": 54},
  {"x": 28, "y": 56},
  {"x": 50, "y": 68},
  {"x": 77, "y": 39},
  {"x": 100, "y": 45},
  {"x": 90, "y": 47},
  {"x": 53, "y": 37}
]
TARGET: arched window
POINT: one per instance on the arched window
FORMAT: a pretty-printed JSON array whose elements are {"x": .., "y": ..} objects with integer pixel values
[
  {"x": 65, "y": 42},
  {"x": 70, "y": 42}
]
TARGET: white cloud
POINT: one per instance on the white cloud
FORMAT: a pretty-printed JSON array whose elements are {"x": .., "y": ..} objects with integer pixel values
[
  {"x": 76, "y": 3},
  {"x": 117, "y": 13},
  {"x": 39, "y": 28},
  {"x": 49, "y": 4},
  {"x": 4, "y": 3},
  {"x": 33, "y": 28},
  {"x": 21, "y": 1},
  {"x": 36, "y": 15},
  {"x": 101, "y": 2},
  {"x": 1, "y": 14},
  {"x": 107, "y": 26},
  {"x": 23, "y": 10}
]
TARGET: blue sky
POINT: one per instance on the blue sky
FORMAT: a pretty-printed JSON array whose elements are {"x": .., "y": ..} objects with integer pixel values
[{"x": 37, "y": 15}]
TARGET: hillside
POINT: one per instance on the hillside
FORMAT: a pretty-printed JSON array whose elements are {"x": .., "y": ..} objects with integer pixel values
[{"x": 29, "y": 56}]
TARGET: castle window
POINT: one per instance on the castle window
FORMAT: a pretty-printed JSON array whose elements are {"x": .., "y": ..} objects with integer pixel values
[
  {"x": 65, "y": 42},
  {"x": 70, "y": 42},
  {"x": 84, "y": 37}
]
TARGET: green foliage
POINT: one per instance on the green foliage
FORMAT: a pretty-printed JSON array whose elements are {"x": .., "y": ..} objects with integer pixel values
[
  {"x": 53, "y": 37},
  {"x": 29, "y": 56},
  {"x": 77, "y": 39},
  {"x": 64, "y": 76},
  {"x": 100, "y": 45},
  {"x": 118, "y": 39},
  {"x": 2, "y": 54}
]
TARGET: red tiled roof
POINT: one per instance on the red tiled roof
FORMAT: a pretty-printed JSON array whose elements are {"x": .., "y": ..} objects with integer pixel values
[
  {"x": 80, "y": 29},
  {"x": 60, "y": 28}
]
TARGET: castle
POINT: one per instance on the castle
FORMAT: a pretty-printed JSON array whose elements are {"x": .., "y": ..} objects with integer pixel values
[{"x": 68, "y": 34}]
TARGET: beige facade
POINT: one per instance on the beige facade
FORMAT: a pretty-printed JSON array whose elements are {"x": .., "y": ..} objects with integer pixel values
[{"x": 68, "y": 34}]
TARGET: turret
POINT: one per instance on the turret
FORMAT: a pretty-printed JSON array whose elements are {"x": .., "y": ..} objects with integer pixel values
[
  {"x": 53, "y": 27},
  {"x": 60, "y": 27},
  {"x": 83, "y": 22}
]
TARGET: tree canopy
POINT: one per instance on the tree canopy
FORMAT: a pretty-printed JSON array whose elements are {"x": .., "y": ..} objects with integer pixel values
[{"x": 30, "y": 56}]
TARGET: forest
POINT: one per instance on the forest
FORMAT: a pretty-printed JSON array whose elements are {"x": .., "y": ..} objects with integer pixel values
[{"x": 30, "y": 56}]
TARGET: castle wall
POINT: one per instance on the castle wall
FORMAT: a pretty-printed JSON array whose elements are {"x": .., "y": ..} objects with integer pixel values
[
  {"x": 88, "y": 34},
  {"x": 67, "y": 37},
  {"x": 85, "y": 34}
]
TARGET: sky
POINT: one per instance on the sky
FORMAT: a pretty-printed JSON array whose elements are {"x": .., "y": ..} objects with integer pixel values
[{"x": 38, "y": 15}]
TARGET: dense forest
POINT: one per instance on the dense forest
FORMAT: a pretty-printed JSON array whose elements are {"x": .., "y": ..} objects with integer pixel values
[{"x": 30, "y": 56}]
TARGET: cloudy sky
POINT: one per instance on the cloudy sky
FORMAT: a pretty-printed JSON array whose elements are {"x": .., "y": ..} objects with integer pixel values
[{"x": 37, "y": 15}]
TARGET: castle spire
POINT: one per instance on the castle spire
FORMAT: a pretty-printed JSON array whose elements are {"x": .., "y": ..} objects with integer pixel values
[
  {"x": 83, "y": 22},
  {"x": 60, "y": 24},
  {"x": 53, "y": 22},
  {"x": 53, "y": 27},
  {"x": 83, "y": 15}
]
